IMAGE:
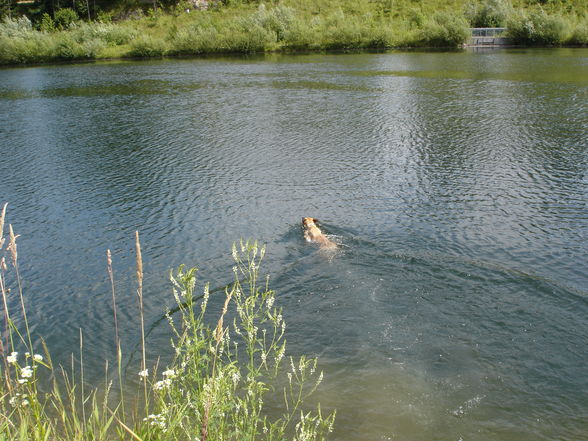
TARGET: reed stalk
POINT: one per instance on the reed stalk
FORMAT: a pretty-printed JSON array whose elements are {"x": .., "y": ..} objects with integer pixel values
[
  {"x": 141, "y": 312},
  {"x": 111, "y": 277},
  {"x": 83, "y": 401}
]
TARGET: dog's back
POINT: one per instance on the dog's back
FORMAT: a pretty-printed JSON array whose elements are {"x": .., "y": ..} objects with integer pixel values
[{"x": 312, "y": 233}]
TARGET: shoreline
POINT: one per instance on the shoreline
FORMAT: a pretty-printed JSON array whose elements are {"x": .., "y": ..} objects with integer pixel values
[
  {"x": 289, "y": 27},
  {"x": 213, "y": 55}
]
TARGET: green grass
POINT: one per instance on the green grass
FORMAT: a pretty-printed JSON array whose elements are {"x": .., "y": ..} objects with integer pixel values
[
  {"x": 294, "y": 25},
  {"x": 230, "y": 362}
]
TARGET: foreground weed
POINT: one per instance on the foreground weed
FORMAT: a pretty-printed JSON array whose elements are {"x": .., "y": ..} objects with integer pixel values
[{"x": 229, "y": 364}]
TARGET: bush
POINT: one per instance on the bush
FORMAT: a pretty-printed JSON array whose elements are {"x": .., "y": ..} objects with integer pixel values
[
  {"x": 246, "y": 38},
  {"x": 277, "y": 20},
  {"x": 415, "y": 17},
  {"x": 580, "y": 35},
  {"x": 489, "y": 14},
  {"x": 116, "y": 35},
  {"x": 34, "y": 48},
  {"x": 146, "y": 46},
  {"x": 109, "y": 34},
  {"x": 444, "y": 30},
  {"x": 67, "y": 48},
  {"x": 65, "y": 18},
  {"x": 198, "y": 40},
  {"x": 104, "y": 17},
  {"x": 19, "y": 27},
  {"x": 301, "y": 36},
  {"x": 538, "y": 29},
  {"x": 47, "y": 24}
]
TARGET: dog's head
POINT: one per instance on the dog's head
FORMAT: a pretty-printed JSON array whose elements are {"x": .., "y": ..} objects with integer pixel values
[{"x": 309, "y": 221}]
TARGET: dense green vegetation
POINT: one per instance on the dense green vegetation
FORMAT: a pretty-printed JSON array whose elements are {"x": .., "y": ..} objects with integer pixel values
[
  {"x": 125, "y": 29},
  {"x": 230, "y": 363}
]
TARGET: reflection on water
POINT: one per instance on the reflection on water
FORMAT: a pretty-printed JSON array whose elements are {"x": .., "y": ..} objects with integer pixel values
[{"x": 456, "y": 182}]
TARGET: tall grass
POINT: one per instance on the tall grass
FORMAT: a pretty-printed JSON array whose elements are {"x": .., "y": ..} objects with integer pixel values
[{"x": 228, "y": 365}]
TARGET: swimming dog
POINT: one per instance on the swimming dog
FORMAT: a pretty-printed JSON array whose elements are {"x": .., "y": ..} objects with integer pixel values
[{"x": 312, "y": 233}]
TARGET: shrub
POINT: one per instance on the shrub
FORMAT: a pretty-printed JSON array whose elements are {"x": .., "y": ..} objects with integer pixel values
[
  {"x": 65, "y": 18},
  {"x": 47, "y": 24},
  {"x": 146, "y": 46},
  {"x": 33, "y": 48},
  {"x": 198, "y": 40},
  {"x": 301, "y": 36},
  {"x": 104, "y": 17},
  {"x": 580, "y": 35},
  {"x": 67, "y": 48},
  {"x": 18, "y": 27},
  {"x": 246, "y": 38},
  {"x": 109, "y": 34},
  {"x": 278, "y": 19},
  {"x": 489, "y": 14},
  {"x": 538, "y": 29},
  {"x": 415, "y": 17},
  {"x": 444, "y": 30},
  {"x": 116, "y": 35}
]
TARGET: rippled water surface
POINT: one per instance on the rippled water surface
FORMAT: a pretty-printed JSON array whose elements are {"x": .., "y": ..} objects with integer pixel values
[{"x": 456, "y": 182}]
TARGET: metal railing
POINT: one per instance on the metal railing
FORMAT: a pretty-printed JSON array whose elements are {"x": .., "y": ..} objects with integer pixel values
[{"x": 487, "y": 32}]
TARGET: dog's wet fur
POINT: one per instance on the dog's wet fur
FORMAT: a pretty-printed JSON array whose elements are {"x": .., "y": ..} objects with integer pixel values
[{"x": 312, "y": 233}]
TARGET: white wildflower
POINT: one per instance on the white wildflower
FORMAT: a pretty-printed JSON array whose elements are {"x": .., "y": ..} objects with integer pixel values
[
  {"x": 38, "y": 357},
  {"x": 162, "y": 384},
  {"x": 170, "y": 373},
  {"x": 144, "y": 374},
  {"x": 156, "y": 420},
  {"x": 236, "y": 377},
  {"x": 263, "y": 357},
  {"x": 22, "y": 380},
  {"x": 270, "y": 302},
  {"x": 24, "y": 403},
  {"x": 13, "y": 401},
  {"x": 26, "y": 372},
  {"x": 12, "y": 357}
]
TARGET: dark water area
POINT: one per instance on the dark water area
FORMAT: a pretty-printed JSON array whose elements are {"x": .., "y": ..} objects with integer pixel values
[{"x": 457, "y": 184}]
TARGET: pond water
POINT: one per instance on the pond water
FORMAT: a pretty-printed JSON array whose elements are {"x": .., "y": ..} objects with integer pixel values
[{"x": 457, "y": 184}]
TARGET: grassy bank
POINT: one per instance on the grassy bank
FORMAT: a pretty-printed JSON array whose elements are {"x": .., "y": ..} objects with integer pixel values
[
  {"x": 289, "y": 25},
  {"x": 228, "y": 364}
]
